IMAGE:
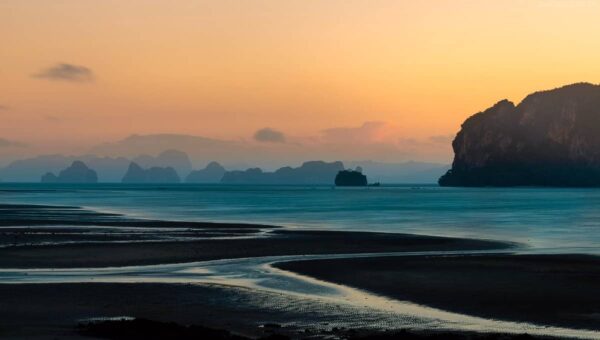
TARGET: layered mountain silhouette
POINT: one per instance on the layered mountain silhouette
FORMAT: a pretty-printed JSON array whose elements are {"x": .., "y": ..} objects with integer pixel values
[
  {"x": 29, "y": 170},
  {"x": 344, "y": 143},
  {"x": 196, "y": 146},
  {"x": 212, "y": 173},
  {"x": 49, "y": 177},
  {"x": 313, "y": 172},
  {"x": 137, "y": 174},
  {"x": 552, "y": 138},
  {"x": 78, "y": 172},
  {"x": 178, "y": 160},
  {"x": 109, "y": 169},
  {"x": 112, "y": 169}
]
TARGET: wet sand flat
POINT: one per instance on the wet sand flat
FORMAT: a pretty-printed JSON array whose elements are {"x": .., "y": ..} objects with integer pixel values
[
  {"x": 560, "y": 290},
  {"x": 130, "y": 241},
  {"x": 42, "y": 311},
  {"x": 279, "y": 242},
  {"x": 54, "y": 309}
]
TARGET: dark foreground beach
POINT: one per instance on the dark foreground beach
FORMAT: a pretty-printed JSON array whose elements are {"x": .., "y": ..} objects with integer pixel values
[
  {"x": 60, "y": 311},
  {"x": 559, "y": 290},
  {"x": 55, "y": 237},
  {"x": 561, "y": 293}
]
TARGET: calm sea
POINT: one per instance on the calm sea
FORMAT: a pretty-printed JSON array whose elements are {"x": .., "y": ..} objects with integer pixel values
[{"x": 563, "y": 220}]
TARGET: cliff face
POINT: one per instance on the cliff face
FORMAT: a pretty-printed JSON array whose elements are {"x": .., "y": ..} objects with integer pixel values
[
  {"x": 136, "y": 174},
  {"x": 551, "y": 138}
]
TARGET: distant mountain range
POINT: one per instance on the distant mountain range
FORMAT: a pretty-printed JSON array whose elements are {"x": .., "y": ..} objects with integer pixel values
[
  {"x": 314, "y": 172},
  {"x": 29, "y": 170},
  {"x": 212, "y": 173},
  {"x": 78, "y": 172},
  {"x": 243, "y": 154},
  {"x": 170, "y": 158},
  {"x": 113, "y": 169},
  {"x": 109, "y": 169},
  {"x": 155, "y": 174}
]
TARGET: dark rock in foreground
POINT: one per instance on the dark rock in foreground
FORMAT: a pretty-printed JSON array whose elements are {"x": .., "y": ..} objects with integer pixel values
[
  {"x": 136, "y": 174},
  {"x": 552, "y": 138},
  {"x": 212, "y": 173},
  {"x": 78, "y": 172},
  {"x": 314, "y": 172},
  {"x": 350, "y": 178}
]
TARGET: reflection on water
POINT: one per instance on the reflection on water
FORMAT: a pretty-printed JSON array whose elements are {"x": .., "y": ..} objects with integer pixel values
[
  {"x": 548, "y": 220},
  {"x": 257, "y": 274},
  {"x": 541, "y": 217}
]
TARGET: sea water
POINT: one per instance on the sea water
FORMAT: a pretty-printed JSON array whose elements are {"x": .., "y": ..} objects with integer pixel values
[{"x": 554, "y": 219}]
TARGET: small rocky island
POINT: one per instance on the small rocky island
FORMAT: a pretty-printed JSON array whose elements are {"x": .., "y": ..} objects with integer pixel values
[
  {"x": 350, "y": 178},
  {"x": 552, "y": 138},
  {"x": 78, "y": 172}
]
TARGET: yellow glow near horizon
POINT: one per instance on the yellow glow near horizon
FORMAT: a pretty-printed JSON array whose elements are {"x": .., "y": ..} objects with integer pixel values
[{"x": 226, "y": 68}]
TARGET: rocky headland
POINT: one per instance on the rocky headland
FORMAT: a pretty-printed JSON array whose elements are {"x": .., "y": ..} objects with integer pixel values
[{"x": 551, "y": 138}]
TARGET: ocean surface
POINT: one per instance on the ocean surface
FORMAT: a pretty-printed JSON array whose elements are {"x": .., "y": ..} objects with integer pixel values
[{"x": 556, "y": 220}]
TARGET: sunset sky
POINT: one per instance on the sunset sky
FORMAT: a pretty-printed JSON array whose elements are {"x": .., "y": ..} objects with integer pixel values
[{"x": 398, "y": 74}]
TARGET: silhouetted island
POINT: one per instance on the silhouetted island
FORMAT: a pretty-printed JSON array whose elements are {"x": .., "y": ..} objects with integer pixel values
[
  {"x": 176, "y": 159},
  {"x": 350, "y": 178},
  {"x": 49, "y": 177},
  {"x": 136, "y": 174},
  {"x": 78, "y": 172},
  {"x": 552, "y": 138},
  {"x": 313, "y": 172},
  {"x": 212, "y": 173}
]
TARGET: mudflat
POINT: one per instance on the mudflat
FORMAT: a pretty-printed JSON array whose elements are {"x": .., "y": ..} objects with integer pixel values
[
  {"x": 277, "y": 242},
  {"x": 66, "y": 237},
  {"x": 560, "y": 290}
]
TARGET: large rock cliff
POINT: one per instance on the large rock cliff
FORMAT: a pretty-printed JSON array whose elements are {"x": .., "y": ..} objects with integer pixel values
[{"x": 552, "y": 138}]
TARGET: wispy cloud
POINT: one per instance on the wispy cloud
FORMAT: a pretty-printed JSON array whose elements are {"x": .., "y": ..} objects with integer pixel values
[
  {"x": 5, "y": 143},
  {"x": 442, "y": 139},
  {"x": 66, "y": 72},
  {"x": 53, "y": 119},
  {"x": 365, "y": 133},
  {"x": 269, "y": 135}
]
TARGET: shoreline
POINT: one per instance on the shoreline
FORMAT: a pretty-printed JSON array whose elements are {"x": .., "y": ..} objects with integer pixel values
[
  {"x": 54, "y": 308},
  {"x": 553, "y": 290},
  {"x": 167, "y": 242},
  {"x": 279, "y": 242}
]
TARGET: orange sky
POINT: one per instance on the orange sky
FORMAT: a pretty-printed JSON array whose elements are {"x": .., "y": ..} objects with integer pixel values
[{"x": 225, "y": 69}]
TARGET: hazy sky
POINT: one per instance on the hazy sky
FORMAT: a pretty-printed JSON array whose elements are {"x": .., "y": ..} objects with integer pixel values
[{"x": 403, "y": 74}]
